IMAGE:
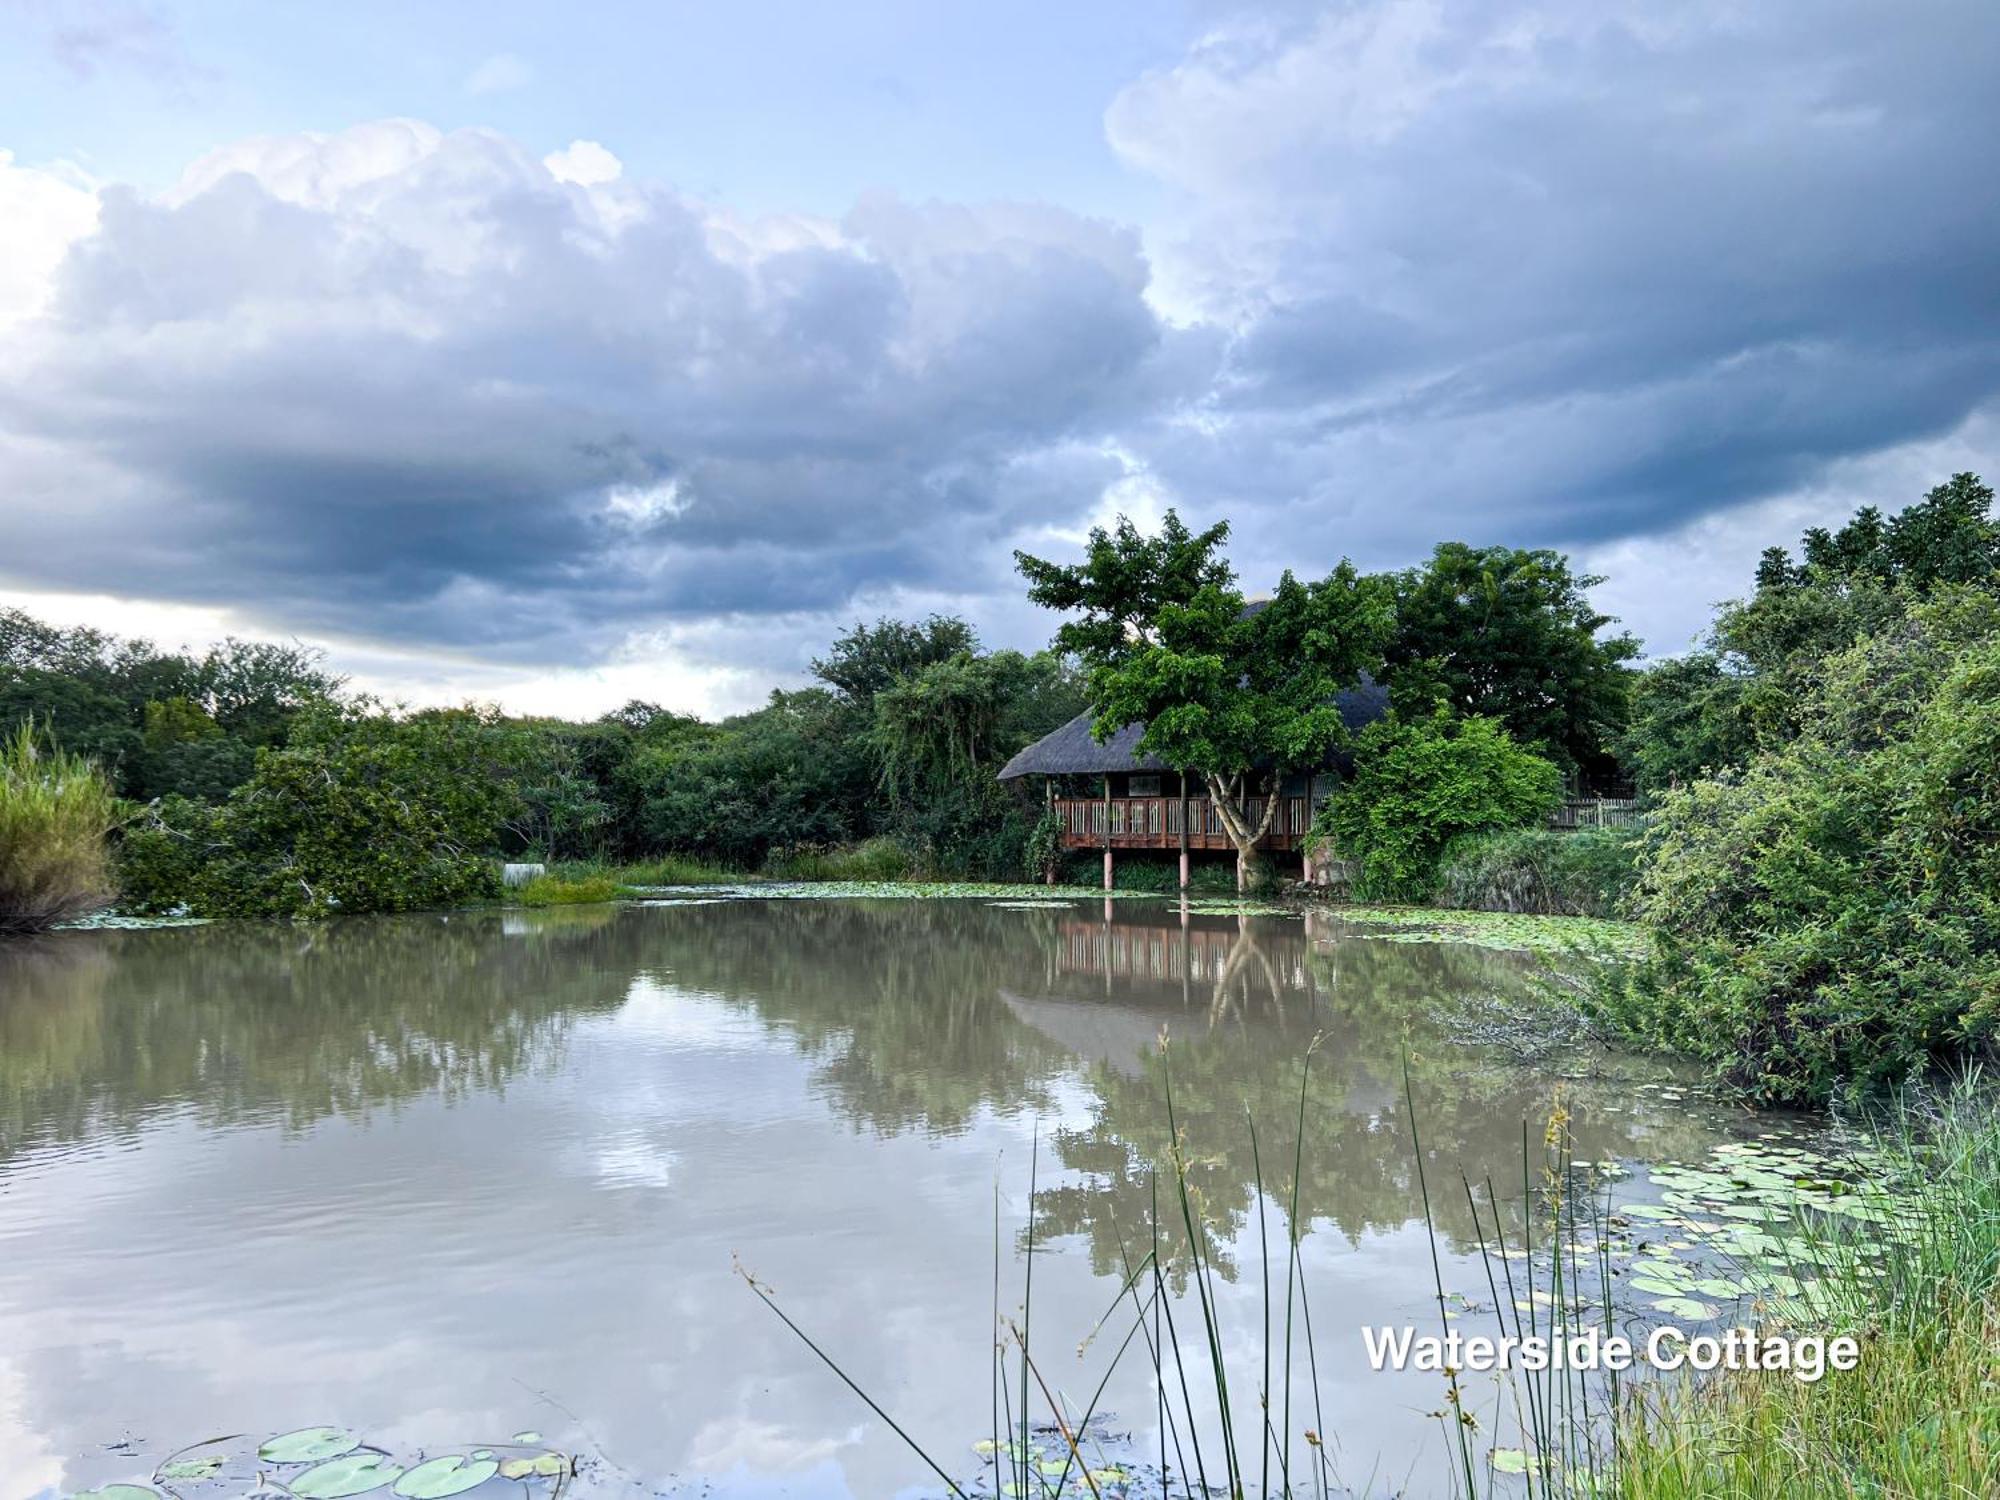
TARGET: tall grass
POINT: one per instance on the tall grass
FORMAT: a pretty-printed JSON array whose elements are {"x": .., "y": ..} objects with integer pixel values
[
  {"x": 1919, "y": 1418},
  {"x": 56, "y": 811},
  {"x": 872, "y": 859}
]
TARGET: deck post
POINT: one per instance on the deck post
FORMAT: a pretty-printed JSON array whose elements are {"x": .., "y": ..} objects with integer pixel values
[
  {"x": 1107, "y": 830},
  {"x": 1049, "y": 875},
  {"x": 1184, "y": 843}
]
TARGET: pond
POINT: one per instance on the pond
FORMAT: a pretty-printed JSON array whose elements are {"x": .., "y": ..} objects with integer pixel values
[{"x": 443, "y": 1179}]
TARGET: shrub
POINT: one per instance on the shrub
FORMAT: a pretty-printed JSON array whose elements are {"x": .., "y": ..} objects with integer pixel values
[
  {"x": 55, "y": 813},
  {"x": 1586, "y": 873},
  {"x": 1829, "y": 918},
  {"x": 1419, "y": 784},
  {"x": 552, "y": 890},
  {"x": 358, "y": 813},
  {"x": 875, "y": 859}
]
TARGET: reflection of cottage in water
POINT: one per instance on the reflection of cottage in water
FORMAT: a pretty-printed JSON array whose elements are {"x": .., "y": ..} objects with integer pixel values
[{"x": 1113, "y": 985}]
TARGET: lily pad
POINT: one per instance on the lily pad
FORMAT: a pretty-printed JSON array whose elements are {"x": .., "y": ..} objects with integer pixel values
[
  {"x": 448, "y": 1475},
  {"x": 544, "y": 1466},
  {"x": 205, "y": 1467},
  {"x": 117, "y": 1492},
  {"x": 350, "y": 1474},
  {"x": 1511, "y": 1461},
  {"x": 1684, "y": 1307},
  {"x": 309, "y": 1445},
  {"x": 527, "y": 1437}
]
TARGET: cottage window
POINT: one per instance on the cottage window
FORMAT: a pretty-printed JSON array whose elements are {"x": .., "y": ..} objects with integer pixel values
[{"x": 1142, "y": 786}]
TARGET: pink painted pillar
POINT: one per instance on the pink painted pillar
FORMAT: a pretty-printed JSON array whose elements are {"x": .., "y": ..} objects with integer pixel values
[{"x": 1107, "y": 869}]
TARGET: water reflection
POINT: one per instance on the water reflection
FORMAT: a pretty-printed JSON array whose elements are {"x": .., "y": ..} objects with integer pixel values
[{"x": 411, "y": 1172}]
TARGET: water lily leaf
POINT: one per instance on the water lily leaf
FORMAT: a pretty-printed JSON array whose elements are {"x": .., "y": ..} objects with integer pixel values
[
  {"x": 350, "y": 1474},
  {"x": 448, "y": 1475},
  {"x": 1511, "y": 1461},
  {"x": 206, "y": 1467},
  {"x": 544, "y": 1465},
  {"x": 1684, "y": 1307},
  {"x": 1650, "y": 1211},
  {"x": 527, "y": 1437},
  {"x": 117, "y": 1492},
  {"x": 1716, "y": 1286},
  {"x": 309, "y": 1445},
  {"x": 1653, "y": 1284}
]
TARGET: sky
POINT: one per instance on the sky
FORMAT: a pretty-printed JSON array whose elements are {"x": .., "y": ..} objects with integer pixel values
[{"x": 556, "y": 356}]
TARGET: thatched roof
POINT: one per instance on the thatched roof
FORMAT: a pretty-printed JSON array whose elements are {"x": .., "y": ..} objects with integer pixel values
[{"x": 1070, "y": 751}]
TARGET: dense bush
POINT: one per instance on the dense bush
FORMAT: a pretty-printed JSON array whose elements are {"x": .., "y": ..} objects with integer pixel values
[
  {"x": 1588, "y": 872},
  {"x": 157, "y": 723},
  {"x": 55, "y": 812},
  {"x": 554, "y": 890},
  {"x": 872, "y": 859},
  {"x": 1421, "y": 783},
  {"x": 1829, "y": 916},
  {"x": 359, "y": 812}
]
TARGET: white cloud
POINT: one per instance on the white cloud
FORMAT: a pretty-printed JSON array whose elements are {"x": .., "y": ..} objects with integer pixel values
[
  {"x": 43, "y": 211},
  {"x": 583, "y": 162}
]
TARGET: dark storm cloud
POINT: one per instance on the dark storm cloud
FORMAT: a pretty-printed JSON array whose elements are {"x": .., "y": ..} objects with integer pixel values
[
  {"x": 1581, "y": 269},
  {"x": 1560, "y": 271},
  {"x": 415, "y": 384}
]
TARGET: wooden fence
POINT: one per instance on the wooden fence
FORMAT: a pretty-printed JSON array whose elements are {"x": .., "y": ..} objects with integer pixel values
[{"x": 1595, "y": 812}]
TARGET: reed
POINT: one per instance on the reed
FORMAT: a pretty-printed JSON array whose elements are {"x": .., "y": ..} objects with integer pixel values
[
  {"x": 1919, "y": 1418},
  {"x": 56, "y": 813}
]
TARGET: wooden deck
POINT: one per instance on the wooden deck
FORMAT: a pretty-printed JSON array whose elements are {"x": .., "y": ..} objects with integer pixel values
[{"x": 1155, "y": 823}]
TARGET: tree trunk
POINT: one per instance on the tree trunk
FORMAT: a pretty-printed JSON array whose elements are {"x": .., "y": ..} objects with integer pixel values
[{"x": 1231, "y": 797}]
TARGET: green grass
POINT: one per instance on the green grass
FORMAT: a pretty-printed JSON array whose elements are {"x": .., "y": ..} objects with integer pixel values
[
  {"x": 56, "y": 811},
  {"x": 1920, "y": 1417},
  {"x": 665, "y": 869},
  {"x": 873, "y": 859},
  {"x": 554, "y": 890}
]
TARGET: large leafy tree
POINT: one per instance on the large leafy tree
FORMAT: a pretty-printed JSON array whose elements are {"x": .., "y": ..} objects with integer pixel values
[
  {"x": 1748, "y": 686},
  {"x": 871, "y": 658},
  {"x": 1235, "y": 693},
  {"x": 1510, "y": 634}
]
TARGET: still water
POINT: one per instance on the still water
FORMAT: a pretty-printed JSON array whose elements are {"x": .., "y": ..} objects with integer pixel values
[{"x": 442, "y": 1178}]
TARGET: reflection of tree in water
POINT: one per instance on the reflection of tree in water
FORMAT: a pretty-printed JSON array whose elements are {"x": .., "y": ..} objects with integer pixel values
[
  {"x": 898, "y": 1002},
  {"x": 1372, "y": 1001},
  {"x": 99, "y": 1030}
]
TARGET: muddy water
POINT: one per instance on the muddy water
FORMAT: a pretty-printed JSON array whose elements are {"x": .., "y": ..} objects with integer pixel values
[{"x": 443, "y": 1179}]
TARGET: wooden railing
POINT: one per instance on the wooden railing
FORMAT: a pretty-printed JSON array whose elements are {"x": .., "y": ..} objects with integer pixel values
[
  {"x": 1155, "y": 822},
  {"x": 1595, "y": 812}
]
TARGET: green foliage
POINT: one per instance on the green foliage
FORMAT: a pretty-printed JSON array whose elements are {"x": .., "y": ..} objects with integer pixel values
[
  {"x": 1509, "y": 634},
  {"x": 56, "y": 810},
  {"x": 792, "y": 773},
  {"x": 1829, "y": 916},
  {"x": 870, "y": 659},
  {"x": 1421, "y": 783},
  {"x": 1237, "y": 693},
  {"x": 157, "y": 723},
  {"x": 554, "y": 890},
  {"x": 1587, "y": 872},
  {"x": 1749, "y": 687},
  {"x": 872, "y": 859},
  {"x": 357, "y": 813}
]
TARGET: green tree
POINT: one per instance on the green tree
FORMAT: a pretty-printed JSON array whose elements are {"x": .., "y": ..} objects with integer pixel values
[
  {"x": 1510, "y": 634},
  {"x": 358, "y": 812},
  {"x": 870, "y": 658},
  {"x": 1827, "y": 916},
  {"x": 1237, "y": 693},
  {"x": 1418, "y": 784}
]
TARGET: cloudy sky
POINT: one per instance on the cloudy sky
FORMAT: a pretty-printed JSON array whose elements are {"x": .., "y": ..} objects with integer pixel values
[{"x": 559, "y": 355}]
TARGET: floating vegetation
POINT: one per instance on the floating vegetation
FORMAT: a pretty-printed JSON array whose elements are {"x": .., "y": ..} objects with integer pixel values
[
  {"x": 112, "y": 921},
  {"x": 890, "y": 890},
  {"x": 1517, "y": 932},
  {"x": 335, "y": 1463},
  {"x": 1226, "y": 907}
]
